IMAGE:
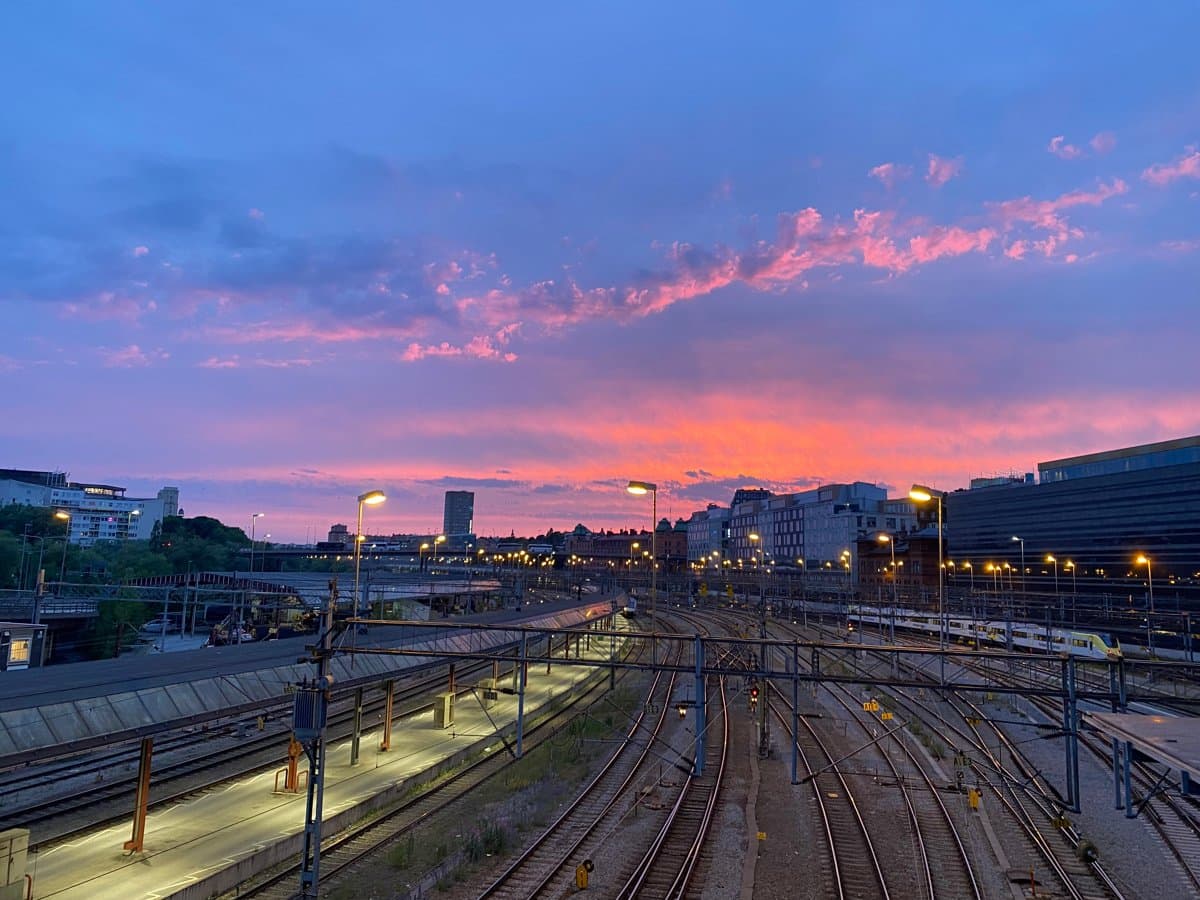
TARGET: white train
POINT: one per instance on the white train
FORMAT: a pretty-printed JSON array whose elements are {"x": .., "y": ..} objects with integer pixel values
[
  {"x": 1087, "y": 644},
  {"x": 631, "y": 607}
]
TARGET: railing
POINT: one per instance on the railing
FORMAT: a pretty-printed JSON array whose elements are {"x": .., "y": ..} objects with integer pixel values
[{"x": 19, "y": 605}]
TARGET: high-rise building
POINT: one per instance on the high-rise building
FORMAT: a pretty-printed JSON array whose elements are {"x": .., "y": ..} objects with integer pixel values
[{"x": 459, "y": 517}]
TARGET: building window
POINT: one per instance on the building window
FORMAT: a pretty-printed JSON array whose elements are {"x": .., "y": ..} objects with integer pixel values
[{"x": 18, "y": 651}]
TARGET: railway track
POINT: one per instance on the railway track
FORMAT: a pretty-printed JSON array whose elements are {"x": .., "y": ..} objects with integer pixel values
[
  {"x": 341, "y": 852},
  {"x": 58, "y": 817},
  {"x": 669, "y": 865},
  {"x": 544, "y": 868}
]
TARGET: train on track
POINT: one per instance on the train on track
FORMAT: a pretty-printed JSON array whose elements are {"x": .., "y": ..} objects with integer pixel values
[
  {"x": 631, "y": 608},
  {"x": 1086, "y": 644}
]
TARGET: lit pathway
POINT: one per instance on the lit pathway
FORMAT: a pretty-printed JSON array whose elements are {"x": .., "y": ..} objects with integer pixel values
[{"x": 212, "y": 831}]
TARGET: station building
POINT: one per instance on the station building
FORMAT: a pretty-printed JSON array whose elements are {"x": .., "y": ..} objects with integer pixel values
[{"x": 1094, "y": 515}]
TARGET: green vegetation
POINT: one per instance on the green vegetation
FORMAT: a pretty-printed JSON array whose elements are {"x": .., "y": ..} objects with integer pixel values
[{"x": 33, "y": 539}]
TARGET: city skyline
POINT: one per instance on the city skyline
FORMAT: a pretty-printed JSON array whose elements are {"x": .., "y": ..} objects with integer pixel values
[{"x": 535, "y": 255}]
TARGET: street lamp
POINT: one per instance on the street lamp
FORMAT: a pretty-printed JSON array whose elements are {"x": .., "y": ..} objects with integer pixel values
[
  {"x": 887, "y": 539},
  {"x": 253, "y": 521},
  {"x": 1022, "y": 542},
  {"x": 1070, "y": 565},
  {"x": 1051, "y": 558},
  {"x": 648, "y": 487},
  {"x": 922, "y": 494},
  {"x": 971, "y": 572},
  {"x": 370, "y": 498},
  {"x": 440, "y": 539},
  {"x": 62, "y": 569},
  {"x": 1145, "y": 560}
]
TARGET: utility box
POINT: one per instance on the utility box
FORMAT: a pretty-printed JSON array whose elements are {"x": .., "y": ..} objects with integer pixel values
[
  {"x": 443, "y": 710},
  {"x": 14, "y": 847},
  {"x": 488, "y": 695}
]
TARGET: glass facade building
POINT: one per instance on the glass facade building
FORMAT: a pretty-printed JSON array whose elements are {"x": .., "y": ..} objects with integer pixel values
[{"x": 1095, "y": 514}]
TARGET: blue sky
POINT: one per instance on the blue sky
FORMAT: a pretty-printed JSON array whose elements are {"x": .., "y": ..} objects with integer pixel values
[{"x": 278, "y": 256}]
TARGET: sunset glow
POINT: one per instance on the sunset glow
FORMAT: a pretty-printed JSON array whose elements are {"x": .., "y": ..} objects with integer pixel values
[{"x": 279, "y": 261}]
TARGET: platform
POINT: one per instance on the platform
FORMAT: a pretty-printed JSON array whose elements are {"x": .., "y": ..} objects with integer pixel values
[
  {"x": 205, "y": 845},
  {"x": 63, "y": 709},
  {"x": 1171, "y": 741}
]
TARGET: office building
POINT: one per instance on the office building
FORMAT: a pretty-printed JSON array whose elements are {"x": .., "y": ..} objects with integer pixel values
[
  {"x": 1095, "y": 515},
  {"x": 458, "y": 520},
  {"x": 98, "y": 512}
]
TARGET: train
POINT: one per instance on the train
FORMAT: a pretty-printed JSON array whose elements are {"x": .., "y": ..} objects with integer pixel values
[
  {"x": 631, "y": 608},
  {"x": 1085, "y": 644}
]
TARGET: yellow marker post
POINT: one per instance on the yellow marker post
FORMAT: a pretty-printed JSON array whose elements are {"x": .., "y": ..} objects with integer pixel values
[
  {"x": 973, "y": 798},
  {"x": 581, "y": 874}
]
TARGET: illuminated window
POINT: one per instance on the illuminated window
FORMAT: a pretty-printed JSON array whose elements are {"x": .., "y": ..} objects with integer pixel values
[{"x": 18, "y": 651}]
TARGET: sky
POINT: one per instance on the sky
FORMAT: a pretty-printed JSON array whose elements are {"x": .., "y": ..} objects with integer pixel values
[{"x": 278, "y": 256}]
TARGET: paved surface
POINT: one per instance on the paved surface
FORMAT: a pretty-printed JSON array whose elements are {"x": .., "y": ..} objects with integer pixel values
[
  {"x": 77, "y": 681},
  {"x": 48, "y": 712},
  {"x": 1172, "y": 740},
  {"x": 211, "y": 831}
]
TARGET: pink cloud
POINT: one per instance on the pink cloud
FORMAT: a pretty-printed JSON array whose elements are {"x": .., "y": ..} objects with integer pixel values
[
  {"x": 306, "y": 330},
  {"x": 1186, "y": 166},
  {"x": 106, "y": 306},
  {"x": 131, "y": 357},
  {"x": 256, "y": 213},
  {"x": 1185, "y": 246},
  {"x": 942, "y": 170},
  {"x": 140, "y": 250},
  {"x": 1046, "y": 215},
  {"x": 1063, "y": 150},
  {"x": 890, "y": 173},
  {"x": 1103, "y": 142},
  {"x": 479, "y": 347},
  {"x": 215, "y": 363},
  {"x": 283, "y": 363}
]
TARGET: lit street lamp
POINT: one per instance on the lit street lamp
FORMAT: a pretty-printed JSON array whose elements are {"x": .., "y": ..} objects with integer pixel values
[
  {"x": 1022, "y": 542},
  {"x": 1051, "y": 558},
  {"x": 971, "y": 572},
  {"x": 648, "y": 487},
  {"x": 1070, "y": 565},
  {"x": 890, "y": 541},
  {"x": 922, "y": 494},
  {"x": 1145, "y": 560},
  {"x": 370, "y": 498},
  {"x": 253, "y": 521},
  {"x": 62, "y": 569}
]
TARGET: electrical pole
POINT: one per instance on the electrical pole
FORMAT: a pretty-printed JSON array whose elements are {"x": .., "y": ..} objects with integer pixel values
[{"x": 308, "y": 725}]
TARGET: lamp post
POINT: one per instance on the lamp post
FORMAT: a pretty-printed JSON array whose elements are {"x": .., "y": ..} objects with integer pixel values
[
  {"x": 648, "y": 487},
  {"x": 971, "y": 572},
  {"x": 1051, "y": 558},
  {"x": 1070, "y": 565},
  {"x": 370, "y": 498},
  {"x": 253, "y": 521},
  {"x": 1145, "y": 560},
  {"x": 1022, "y": 542},
  {"x": 440, "y": 539},
  {"x": 62, "y": 569},
  {"x": 890, "y": 541},
  {"x": 922, "y": 494}
]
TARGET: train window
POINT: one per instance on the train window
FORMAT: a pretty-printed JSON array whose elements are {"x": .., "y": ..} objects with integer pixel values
[
  {"x": 18, "y": 651},
  {"x": 1075, "y": 642}
]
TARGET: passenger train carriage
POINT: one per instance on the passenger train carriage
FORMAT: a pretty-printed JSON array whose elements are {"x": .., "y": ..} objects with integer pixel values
[{"x": 1087, "y": 644}]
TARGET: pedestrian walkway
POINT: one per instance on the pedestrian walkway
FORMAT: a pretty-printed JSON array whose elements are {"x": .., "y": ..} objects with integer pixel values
[{"x": 223, "y": 828}]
